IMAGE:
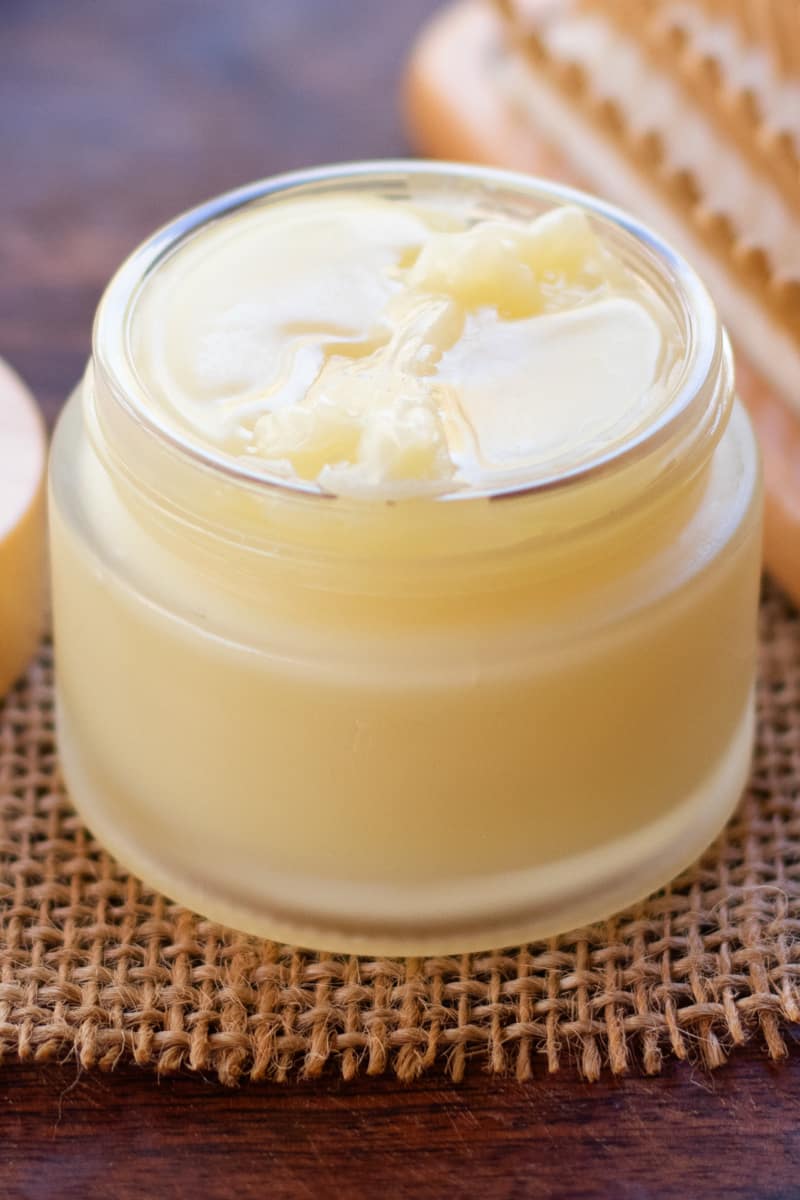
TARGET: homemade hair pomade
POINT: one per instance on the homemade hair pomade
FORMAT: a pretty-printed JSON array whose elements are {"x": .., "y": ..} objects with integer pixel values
[{"x": 405, "y": 539}]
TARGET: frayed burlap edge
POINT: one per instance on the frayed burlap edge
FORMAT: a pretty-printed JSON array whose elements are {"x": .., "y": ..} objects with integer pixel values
[{"x": 94, "y": 965}]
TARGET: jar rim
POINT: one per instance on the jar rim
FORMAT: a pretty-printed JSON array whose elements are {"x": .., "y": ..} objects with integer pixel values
[{"x": 112, "y": 352}]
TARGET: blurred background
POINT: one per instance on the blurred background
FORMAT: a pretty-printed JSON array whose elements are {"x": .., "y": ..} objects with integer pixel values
[{"x": 115, "y": 115}]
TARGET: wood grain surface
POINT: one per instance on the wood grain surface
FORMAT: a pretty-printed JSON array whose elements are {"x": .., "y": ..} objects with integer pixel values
[
  {"x": 681, "y": 1137},
  {"x": 115, "y": 115}
]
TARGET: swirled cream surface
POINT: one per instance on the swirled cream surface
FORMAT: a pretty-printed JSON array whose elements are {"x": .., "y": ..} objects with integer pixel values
[{"x": 374, "y": 347}]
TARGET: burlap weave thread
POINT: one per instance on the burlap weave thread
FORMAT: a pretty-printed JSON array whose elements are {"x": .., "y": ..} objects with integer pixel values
[{"x": 94, "y": 965}]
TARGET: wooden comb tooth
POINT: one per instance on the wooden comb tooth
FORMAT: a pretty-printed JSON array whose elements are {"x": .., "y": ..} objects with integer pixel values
[
  {"x": 535, "y": 47},
  {"x": 686, "y": 188},
  {"x": 753, "y": 262},
  {"x": 510, "y": 15},
  {"x": 780, "y": 145},
  {"x": 746, "y": 107},
  {"x": 786, "y": 18},
  {"x": 777, "y": 21},
  {"x": 791, "y": 24},
  {"x": 676, "y": 38},
  {"x": 650, "y": 149},
  {"x": 786, "y": 145},
  {"x": 709, "y": 70},
  {"x": 716, "y": 226},
  {"x": 573, "y": 79},
  {"x": 787, "y": 292},
  {"x": 612, "y": 116}
]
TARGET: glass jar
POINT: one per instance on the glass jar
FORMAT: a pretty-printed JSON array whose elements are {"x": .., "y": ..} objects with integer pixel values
[{"x": 432, "y": 725}]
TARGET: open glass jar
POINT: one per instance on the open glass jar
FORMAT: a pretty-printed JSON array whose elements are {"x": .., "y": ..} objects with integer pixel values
[{"x": 425, "y": 726}]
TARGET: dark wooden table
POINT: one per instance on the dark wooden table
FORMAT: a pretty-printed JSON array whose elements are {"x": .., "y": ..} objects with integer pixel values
[{"x": 115, "y": 115}]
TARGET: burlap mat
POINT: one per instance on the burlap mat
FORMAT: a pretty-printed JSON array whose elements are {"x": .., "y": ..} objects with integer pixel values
[{"x": 94, "y": 965}]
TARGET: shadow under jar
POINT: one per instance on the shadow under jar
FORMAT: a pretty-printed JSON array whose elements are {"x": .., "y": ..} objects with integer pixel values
[{"x": 427, "y": 725}]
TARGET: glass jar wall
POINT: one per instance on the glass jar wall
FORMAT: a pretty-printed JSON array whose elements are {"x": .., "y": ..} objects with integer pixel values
[{"x": 429, "y": 725}]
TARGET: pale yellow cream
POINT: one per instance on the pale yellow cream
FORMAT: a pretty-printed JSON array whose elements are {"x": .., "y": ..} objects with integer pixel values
[
  {"x": 379, "y": 348},
  {"x": 384, "y": 709}
]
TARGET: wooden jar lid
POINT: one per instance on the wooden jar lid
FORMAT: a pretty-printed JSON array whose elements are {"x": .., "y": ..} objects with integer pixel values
[{"x": 23, "y": 456}]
